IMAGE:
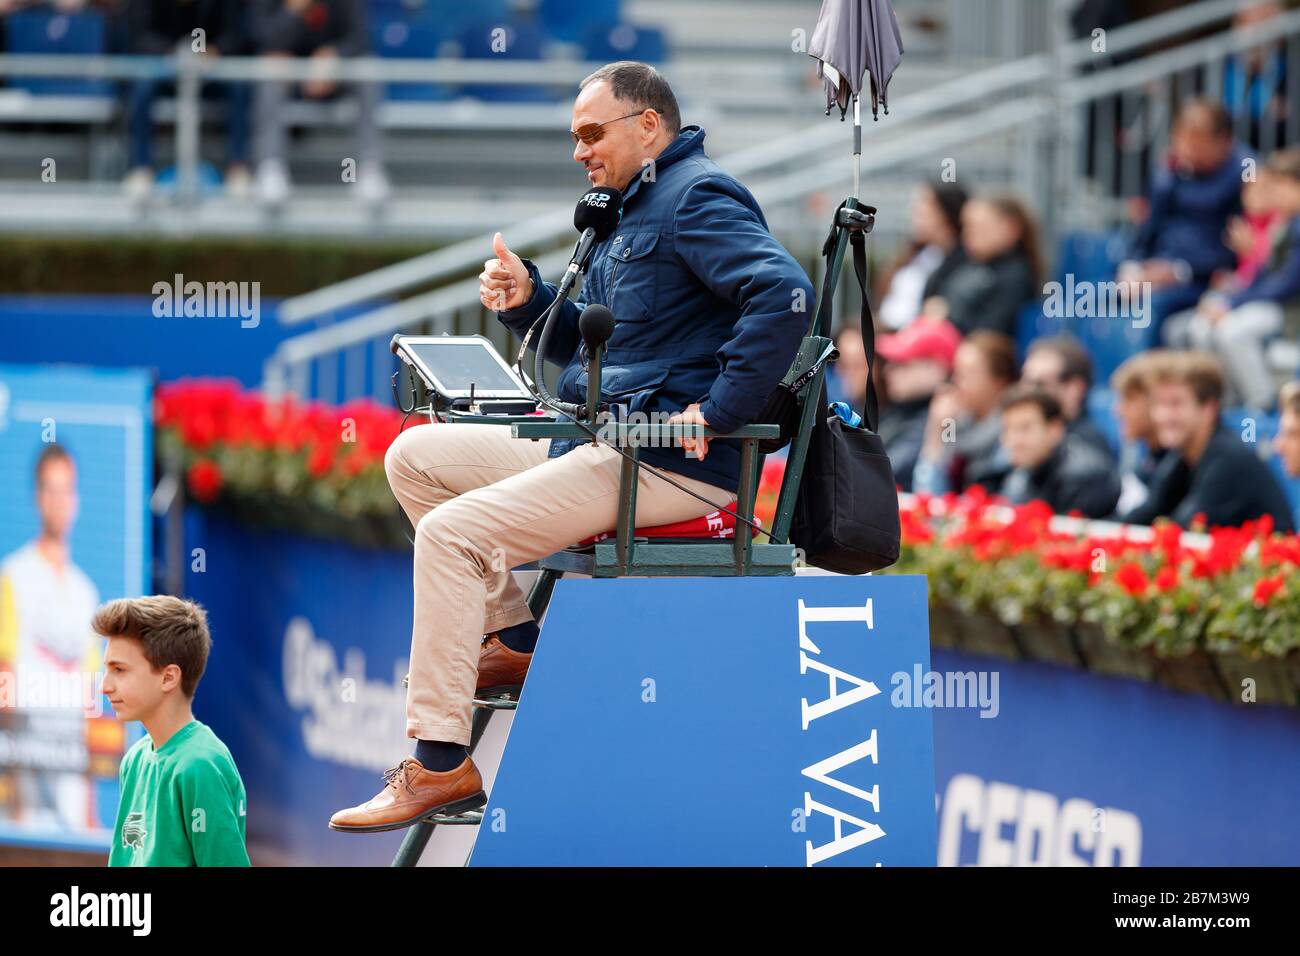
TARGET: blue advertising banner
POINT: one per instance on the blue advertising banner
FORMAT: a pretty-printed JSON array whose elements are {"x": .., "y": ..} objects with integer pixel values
[
  {"x": 720, "y": 721},
  {"x": 1063, "y": 768},
  {"x": 1032, "y": 763},
  {"x": 76, "y": 456}
]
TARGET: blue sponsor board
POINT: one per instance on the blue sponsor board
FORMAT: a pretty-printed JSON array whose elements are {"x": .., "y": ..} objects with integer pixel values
[
  {"x": 311, "y": 639},
  {"x": 1072, "y": 769},
  {"x": 706, "y": 721}
]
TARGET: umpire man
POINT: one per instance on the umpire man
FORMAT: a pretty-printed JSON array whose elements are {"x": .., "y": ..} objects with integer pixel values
[{"x": 710, "y": 311}]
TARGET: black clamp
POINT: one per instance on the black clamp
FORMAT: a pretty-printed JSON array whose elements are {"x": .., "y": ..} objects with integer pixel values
[{"x": 862, "y": 219}]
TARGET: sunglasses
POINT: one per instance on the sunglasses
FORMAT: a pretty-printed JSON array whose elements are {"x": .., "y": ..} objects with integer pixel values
[{"x": 593, "y": 132}]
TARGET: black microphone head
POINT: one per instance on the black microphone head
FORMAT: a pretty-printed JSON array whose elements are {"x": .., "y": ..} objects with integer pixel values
[
  {"x": 599, "y": 210},
  {"x": 596, "y": 325}
]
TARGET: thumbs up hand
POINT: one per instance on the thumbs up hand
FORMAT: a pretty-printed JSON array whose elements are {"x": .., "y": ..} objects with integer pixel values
[{"x": 504, "y": 282}]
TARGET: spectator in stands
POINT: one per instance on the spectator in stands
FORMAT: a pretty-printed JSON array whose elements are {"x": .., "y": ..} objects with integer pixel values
[
  {"x": 1208, "y": 471},
  {"x": 323, "y": 31},
  {"x": 1061, "y": 366},
  {"x": 1181, "y": 244},
  {"x": 932, "y": 254},
  {"x": 1238, "y": 323},
  {"x": 1001, "y": 272},
  {"x": 1255, "y": 80},
  {"x": 206, "y": 27},
  {"x": 1251, "y": 236},
  {"x": 1140, "y": 451},
  {"x": 1049, "y": 464},
  {"x": 1287, "y": 441},
  {"x": 919, "y": 361},
  {"x": 962, "y": 444}
]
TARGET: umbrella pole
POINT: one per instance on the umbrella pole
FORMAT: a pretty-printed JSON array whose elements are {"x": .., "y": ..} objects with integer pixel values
[{"x": 857, "y": 147}]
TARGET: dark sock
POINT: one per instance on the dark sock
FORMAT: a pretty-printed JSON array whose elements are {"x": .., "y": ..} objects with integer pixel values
[
  {"x": 438, "y": 756},
  {"x": 520, "y": 637}
]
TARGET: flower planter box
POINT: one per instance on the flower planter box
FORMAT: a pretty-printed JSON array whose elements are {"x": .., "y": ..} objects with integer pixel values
[
  {"x": 945, "y": 627},
  {"x": 985, "y": 634},
  {"x": 303, "y": 517},
  {"x": 1101, "y": 656},
  {"x": 1192, "y": 673},
  {"x": 1043, "y": 639},
  {"x": 1274, "y": 681}
]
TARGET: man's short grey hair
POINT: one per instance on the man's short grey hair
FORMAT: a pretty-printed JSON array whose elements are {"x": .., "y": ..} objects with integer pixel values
[{"x": 641, "y": 86}]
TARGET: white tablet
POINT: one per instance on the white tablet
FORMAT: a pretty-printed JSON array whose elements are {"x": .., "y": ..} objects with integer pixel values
[{"x": 453, "y": 364}]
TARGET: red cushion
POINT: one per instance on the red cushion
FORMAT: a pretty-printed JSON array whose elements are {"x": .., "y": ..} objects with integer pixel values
[{"x": 716, "y": 524}]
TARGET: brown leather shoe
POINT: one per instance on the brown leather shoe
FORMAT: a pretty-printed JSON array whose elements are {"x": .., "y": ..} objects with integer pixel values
[
  {"x": 413, "y": 793},
  {"x": 500, "y": 670}
]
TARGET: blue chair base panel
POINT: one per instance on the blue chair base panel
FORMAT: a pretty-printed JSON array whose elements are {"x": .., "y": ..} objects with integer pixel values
[{"x": 734, "y": 721}]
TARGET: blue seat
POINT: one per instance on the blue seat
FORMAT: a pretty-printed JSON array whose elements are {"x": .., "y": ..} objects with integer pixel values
[
  {"x": 567, "y": 20},
  {"x": 1034, "y": 323},
  {"x": 410, "y": 37},
  {"x": 46, "y": 32},
  {"x": 1112, "y": 341},
  {"x": 450, "y": 16},
  {"x": 522, "y": 39},
  {"x": 1090, "y": 257},
  {"x": 607, "y": 42}
]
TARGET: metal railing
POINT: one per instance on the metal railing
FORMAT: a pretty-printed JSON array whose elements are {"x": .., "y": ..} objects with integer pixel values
[
  {"x": 1035, "y": 105},
  {"x": 1020, "y": 123}
]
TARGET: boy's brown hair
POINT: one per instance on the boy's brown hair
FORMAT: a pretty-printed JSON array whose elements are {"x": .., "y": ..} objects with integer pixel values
[
  {"x": 1040, "y": 399},
  {"x": 1286, "y": 163},
  {"x": 998, "y": 351},
  {"x": 1289, "y": 399},
  {"x": 170, "y": 631},
  {"x": 1199, "y": 371},
  {"x": 1134, "y": 376}
]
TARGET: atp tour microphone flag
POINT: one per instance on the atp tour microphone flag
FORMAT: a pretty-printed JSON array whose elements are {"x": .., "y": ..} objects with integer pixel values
[{"x": 732, "y": 721}]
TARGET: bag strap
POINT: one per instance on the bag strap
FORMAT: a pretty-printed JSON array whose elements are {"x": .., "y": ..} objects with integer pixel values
[
  {"x": 871, "y": 406},
  {"x": 858, "y": 242}
]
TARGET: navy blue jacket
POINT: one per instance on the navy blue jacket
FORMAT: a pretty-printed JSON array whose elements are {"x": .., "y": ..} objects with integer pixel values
[
  {"x": 708, "y": 306},
  {"x": 1189, "y": 215},
  {"x": 1230, "y": 485}
]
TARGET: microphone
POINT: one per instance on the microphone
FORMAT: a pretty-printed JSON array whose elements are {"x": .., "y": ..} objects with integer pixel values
[
  {"x": 596, "y": 216},
  {"x": 596, "y": 325}
]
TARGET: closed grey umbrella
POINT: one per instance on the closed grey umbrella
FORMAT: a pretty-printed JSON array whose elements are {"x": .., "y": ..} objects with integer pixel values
[{"x": 854, "y": 40}]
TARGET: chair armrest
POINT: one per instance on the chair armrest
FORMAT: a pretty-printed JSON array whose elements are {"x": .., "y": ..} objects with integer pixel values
[{"x": 644, "y": 434}]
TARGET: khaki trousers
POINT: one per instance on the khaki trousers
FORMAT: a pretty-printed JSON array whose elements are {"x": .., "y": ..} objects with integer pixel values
[{"x": 481, "y": 503}]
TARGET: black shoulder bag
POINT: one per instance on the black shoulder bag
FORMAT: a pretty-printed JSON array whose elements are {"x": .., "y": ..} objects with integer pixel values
[{"x": 846, "y": 513}]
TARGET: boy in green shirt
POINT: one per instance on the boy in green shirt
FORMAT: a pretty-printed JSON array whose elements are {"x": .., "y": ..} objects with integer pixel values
[{"x": 183, "y": 802}]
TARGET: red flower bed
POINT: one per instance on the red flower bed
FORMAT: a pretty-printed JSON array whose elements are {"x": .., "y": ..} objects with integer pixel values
[
  {"x": 1163, "y": 589},
  {"x": 315, "y": 467}
]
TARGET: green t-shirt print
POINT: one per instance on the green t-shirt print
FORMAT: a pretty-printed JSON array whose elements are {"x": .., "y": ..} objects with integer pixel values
[{"x": 182, "y": 805}]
